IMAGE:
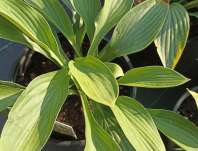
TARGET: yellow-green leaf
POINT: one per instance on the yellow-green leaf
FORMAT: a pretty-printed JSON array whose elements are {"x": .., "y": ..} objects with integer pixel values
[
  {"x": 195, "y": 96},
  {"x": 31, "y": 119},
  {"x": 180, "y": 130},
  {"x": 137, "y": 125},
  {"x": 152, "y": 77},
  {"x": 95, "y": 79},
  {"x": 172, "y": 39}
]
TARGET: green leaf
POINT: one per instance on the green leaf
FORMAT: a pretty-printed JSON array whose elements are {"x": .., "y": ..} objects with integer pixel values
[
  {"x": 95, "y": 79},
  {"x": 181, "y": 131},
  {"x": 152, "y": 77},
  {"x": 195, "y": 96},
  {"x": 191, "y": 4},
  {"x": 115, "y": 69},
  {"x": 172, "y": 39},
  {"x": 97, "y": 139},
  {"x": 88, "y": 10},
  {"x": 195, "y": 14},
  {"x": 110, "y": 14},
  {"x": 33, "y": 25},
  {"x": 55, "y": 13},
  {"x": 9, "y": 92},
  {"x": 137, "y": 29},
  {"x": 104, "y": 116},
  {"x": 32, "y": 117},
  {"x": 137, "y": 125}
]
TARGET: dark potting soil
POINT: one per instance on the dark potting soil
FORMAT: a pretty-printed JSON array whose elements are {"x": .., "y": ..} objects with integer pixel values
[
  {"x": 34, "y": 64},
  {"x": 189, "y": 110}
]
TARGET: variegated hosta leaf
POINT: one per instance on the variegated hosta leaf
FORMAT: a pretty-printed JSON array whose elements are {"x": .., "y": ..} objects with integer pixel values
[
  {"x": 95, "y": 79},
  {"x": 137, "y": 125},
  {"x": 88, "y": 10},
  {"x": 115, "y": 69},
  {"x": 137, "y": 29},
  {"x": 195, "y": 14},
  {"x": 33, "y": 25},
  {"x": 32, "y": 117},
  {"x": 109, "y": 16},
  {"x": 195, "y": 96},
  {"x": 104, "y": 116},
  {"x": 97, "y": 139},
  {"x": 10, "y": 32},
  {"x": 9, "y": 92},
  {"x": 55, "y": 13},
  {"x": 152, "y": 77},
  {"x": 172, "y": 39},
  {"x": 191, "y": 4},
  {"x": 180, "y": 130}
]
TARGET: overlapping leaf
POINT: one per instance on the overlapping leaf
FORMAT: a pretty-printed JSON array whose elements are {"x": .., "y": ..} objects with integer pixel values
[
  {"x": 194, "y": 14},
  {"x": 137, "y": 29},
  {"x": 183, "y": 132},
  {"x": 88, "y": 10},
  {"x": 95, "y": 79},
  {"x": 109, "y": 16},
  {"x": 32, "y": 117},
  {"x": 33, "y": 25},
  {"x": 115, "y": 69},
  {"x": 54, "y": 12},
  {"x": 172, "y": 39},
  {"x": 191, "y": 4},
  {"x": 107, "y": 120},
  {"x": 9, "y": 92},
  {"x": 137, "y": 125},
  {"x": 10, "y": 32},
  {"x": 152, "y": 77},
  {"x": 97, "y": 139}
]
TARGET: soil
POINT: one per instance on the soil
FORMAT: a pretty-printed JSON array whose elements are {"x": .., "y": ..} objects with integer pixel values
[{"x": 34, "y": 64}]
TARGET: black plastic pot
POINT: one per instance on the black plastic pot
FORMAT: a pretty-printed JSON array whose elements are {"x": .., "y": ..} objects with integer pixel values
[
  {"x": 167, "y": 98},
  {"x": 10, "y": 54}
]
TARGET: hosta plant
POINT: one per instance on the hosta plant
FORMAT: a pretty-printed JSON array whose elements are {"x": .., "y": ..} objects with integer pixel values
[{"x": 113, "y": 122}]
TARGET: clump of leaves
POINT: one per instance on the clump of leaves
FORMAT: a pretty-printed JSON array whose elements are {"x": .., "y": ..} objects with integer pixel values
[{"x": 113, "y": 122}]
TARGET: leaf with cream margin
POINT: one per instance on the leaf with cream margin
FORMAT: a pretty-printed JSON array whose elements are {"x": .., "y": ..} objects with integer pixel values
[
  {"x": 172, "y": 38},
  {"x": 31, "y": 119},
  {"x": 95, "y": 79},
  {"x": 33, "y": 25},
  {"x": 137, "y": 125},
  {"x": 152, "y": 77},
  {"x": 195, "y": 96}
]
